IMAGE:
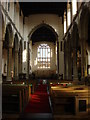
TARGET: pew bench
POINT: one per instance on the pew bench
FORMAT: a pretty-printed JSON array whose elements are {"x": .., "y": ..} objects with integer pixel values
[
  {"x": 12, "y": 102},
  {"x": 11, "y": 91}
]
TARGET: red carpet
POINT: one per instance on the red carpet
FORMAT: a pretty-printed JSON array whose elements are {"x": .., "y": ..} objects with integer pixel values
[{"x": 39, "y": 102}]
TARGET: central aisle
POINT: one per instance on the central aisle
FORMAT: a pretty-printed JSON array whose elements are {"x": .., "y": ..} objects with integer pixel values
[
  {"x": 39, "y": 106},
  {"x": 39, "y": 102}
]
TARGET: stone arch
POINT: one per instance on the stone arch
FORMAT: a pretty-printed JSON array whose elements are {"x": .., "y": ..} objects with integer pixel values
[
  {"x": 41, "y": 25},
  {"x": 16, "y": 42},
  {"x": 69, "y": 40},
  {"x": 74, "y": 44},
  {"x": 75, "y": 36},
  {"x": 8, "y": 45},
  {"x": 53, "y": 33},
  {"x": 83, "y": 23},
  {"x": 83, "y": 30},
  {"x": 2, "y": 26},
  {"x": 10, "y": 34},
  {"x": 20, "y": 45}
]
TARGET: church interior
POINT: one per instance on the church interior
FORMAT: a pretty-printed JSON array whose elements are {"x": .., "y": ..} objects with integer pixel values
[{"x": 44, "y": 60}]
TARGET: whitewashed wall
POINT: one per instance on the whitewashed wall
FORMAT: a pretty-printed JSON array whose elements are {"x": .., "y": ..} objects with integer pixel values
[{"x": 52, "y": 20}]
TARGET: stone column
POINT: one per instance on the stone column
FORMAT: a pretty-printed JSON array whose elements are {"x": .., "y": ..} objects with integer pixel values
[
  {"x": 64, "y": 60},
  {"x": 9, "y": 64},
  {"x": 57, "y": 57},
  {"x": 69, "y": 64},
  {"x": 27, "y": 75},
  {"x": 16, "y": 64},
  {"x": 0, "y": 79},
  {"x": 83, "y": 59},
  {"x": 20, "y": 63},
  {"x": 75, "y": 72},
  {"x": 89, "y": 63}
]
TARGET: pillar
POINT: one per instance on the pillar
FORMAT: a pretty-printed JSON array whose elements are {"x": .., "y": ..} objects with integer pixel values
[
  {"x": 9, "y": 64},
  {"x": 27, "y": 74},
  {"x": 64, "y": 60},
  {"x": 75, "y": 72},
  {"x": 89, "y": 63},
  {"x": 69, "y": 63},
  {"x": 83, "y": 59},
  {"x": 20, "y": 60},
  {"x": 1, "y": 39},
  {"x": 16, "y": 64},
  {"x": 58, "y": 57},
  {"x": 20, "y": 67},
  {"x": 0, "y": 79}
]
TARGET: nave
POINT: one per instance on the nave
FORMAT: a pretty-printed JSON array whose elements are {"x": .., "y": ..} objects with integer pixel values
[{"x": 45, "y": 60}]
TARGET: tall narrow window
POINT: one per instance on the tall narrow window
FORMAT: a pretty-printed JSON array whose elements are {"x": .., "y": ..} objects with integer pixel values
[
  {"x": 68, "y": 14},
  {"x": 44, "y": 56},
  {"x": 74, "y": 7},
  {"x": 65, "y": 28}
]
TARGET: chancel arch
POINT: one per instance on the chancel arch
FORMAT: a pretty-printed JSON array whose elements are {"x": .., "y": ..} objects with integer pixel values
[
  {"x": 44, "y": 39},
  {"x": 42, "y": 25}
]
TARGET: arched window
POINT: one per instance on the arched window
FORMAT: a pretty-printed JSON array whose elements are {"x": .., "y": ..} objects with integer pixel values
[{"x": 44, "y": 56}]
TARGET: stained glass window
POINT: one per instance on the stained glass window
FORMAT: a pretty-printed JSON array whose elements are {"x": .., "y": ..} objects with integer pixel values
[{"x": 44, "y": 56}]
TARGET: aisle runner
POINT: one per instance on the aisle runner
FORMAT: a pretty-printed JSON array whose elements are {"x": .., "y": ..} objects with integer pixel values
[{"x": 39, "y": 102}]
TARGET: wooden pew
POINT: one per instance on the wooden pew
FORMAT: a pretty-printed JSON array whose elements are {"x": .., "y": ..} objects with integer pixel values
[
  {"x": 12, "y": 89},
  {"x": 62, "y": 96},
  {"x": 12, "y": 101}
]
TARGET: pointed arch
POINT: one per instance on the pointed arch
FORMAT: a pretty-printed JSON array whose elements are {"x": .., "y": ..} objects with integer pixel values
[
  {"x": 2, "y": 26},
  {"x": 16, "y": 42},
  {"x": 10, "y": 34},
  {"x": 83, "y": 22},
  {"x": 75, "y": 36},
  {"x": 43, "y": 25}
]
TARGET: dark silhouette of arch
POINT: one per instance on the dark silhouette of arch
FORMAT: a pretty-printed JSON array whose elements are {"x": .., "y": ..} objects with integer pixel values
[
  {"x": 43, "y": 32},
  {"x": 83, "y": 23},
  {"x": 10, "y": 34}
]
